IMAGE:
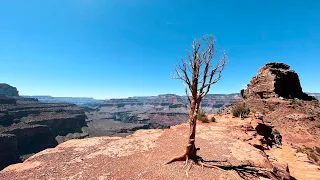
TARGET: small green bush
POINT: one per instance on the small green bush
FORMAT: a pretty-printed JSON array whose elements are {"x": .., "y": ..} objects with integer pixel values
[
  {"x": 240, "y": 110},
  {"x": 317, "y": 149}
]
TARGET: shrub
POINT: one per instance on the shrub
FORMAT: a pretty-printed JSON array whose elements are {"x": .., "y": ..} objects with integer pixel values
[
  {"x": 240, "y": 110},
  {"x": 202, "y": 116},
  {"x": 300, "y": 150},
  {"x": 213, "y": 119},
  {"x": 309, "y": 149},
  {"x": 270, "y": 108},
  {"x": 317, "y": 149},
  {"x": 313, "y": 157},
  {"x": 296, "y": 103}
]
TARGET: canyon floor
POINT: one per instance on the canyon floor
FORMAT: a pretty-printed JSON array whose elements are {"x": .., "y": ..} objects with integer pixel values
[{"x": 142, "y": 155}]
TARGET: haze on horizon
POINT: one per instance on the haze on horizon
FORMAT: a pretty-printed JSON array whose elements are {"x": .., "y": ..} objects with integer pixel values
[{"x": 113, "y": 49}]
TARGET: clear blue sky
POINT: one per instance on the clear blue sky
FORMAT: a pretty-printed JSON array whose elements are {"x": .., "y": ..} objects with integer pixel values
[{"x": 121, "y": 48}]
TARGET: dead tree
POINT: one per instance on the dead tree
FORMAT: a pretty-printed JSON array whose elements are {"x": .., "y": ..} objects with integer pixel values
[{"x": 198, "y": 73}]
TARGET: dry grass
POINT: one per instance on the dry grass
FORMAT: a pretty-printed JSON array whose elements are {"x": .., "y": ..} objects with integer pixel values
[
  {"x": 240, "y": 110},
  {"x": 203, "y": 117}
]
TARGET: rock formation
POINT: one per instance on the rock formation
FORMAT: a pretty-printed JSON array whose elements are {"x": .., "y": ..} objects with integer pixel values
[
  {"x": 7, "y": 90},
  {"x": 31, "y": 138},
  {"x": 276, "y": 94},
  {"x": 60, "y": 123},
  {"x": 28, "y": 126},
  {"x": 9, "y": 153},
  {"x": 275, "y": 80}
]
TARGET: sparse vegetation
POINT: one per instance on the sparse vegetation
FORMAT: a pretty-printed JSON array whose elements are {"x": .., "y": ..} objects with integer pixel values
[
  {"x": 271, "y": 108},
  {"x": 240, "y": 110},
  {"x": 310, "y": 152},
  {"x": 213, "y": 119},
  {"x": 308, "y": 149},
  {"x": 296, "y": 103},
  {"x": 314, "y": 157},
  {"x": 300, "y": 150},
  {"x": 202, "y": 116}
]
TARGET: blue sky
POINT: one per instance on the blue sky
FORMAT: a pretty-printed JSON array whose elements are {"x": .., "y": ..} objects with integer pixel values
[{"x": 121, "y": 48}]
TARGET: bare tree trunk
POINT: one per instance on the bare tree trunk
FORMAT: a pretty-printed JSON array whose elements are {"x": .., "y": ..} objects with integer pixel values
[{"x": 191, "y": 151}]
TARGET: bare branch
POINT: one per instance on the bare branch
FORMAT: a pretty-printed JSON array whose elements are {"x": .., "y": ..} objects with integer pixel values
[
  {"x": 188, "y": 96},
  {"x": 217, "y": 70},
  {"x": 181, "y": 73}
]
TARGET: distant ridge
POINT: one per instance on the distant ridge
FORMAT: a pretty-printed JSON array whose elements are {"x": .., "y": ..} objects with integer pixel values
[{"x": 90, "y": 100}]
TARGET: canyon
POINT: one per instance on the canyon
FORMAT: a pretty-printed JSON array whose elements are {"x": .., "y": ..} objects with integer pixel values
[
  {"x": 279, "y": 139},
  {"x": 28, "y": 126}
]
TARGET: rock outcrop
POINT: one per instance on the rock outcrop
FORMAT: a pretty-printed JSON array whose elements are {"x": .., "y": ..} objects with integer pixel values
[
  {"x": 7, "y": 90},
  {"x": 9, "y": 153},
  {"x": 276, "y": 94},
  {"x": 7, "y": 100},
  {"x": 60, "y": 123},
  {"x": 6, "y": 119},
  {"x": 31, "y": 138},
  {"x": 275, "y": 80}
]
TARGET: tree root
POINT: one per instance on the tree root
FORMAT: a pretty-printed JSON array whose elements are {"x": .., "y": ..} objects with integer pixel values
[
  {"x": 245, "y": 171},
  {"x": 190, "y": 166},
  {"x": 178, "y": 158}
]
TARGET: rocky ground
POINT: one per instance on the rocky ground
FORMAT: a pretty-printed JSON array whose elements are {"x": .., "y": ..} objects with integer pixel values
[{"x": 142, "y": 155}]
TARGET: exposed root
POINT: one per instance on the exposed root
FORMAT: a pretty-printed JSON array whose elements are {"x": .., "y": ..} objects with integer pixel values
[
  {"x": 178, "y": 158},
  {"x": 186, "y": 163},
  {"x": 208, "y": 166},
  {"x": 190, "y": 166},
  {"x": 245, "y": 171}
]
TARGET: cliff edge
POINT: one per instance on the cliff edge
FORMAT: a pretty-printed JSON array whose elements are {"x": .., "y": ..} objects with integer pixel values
[{"x": 141, "y": 155}]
